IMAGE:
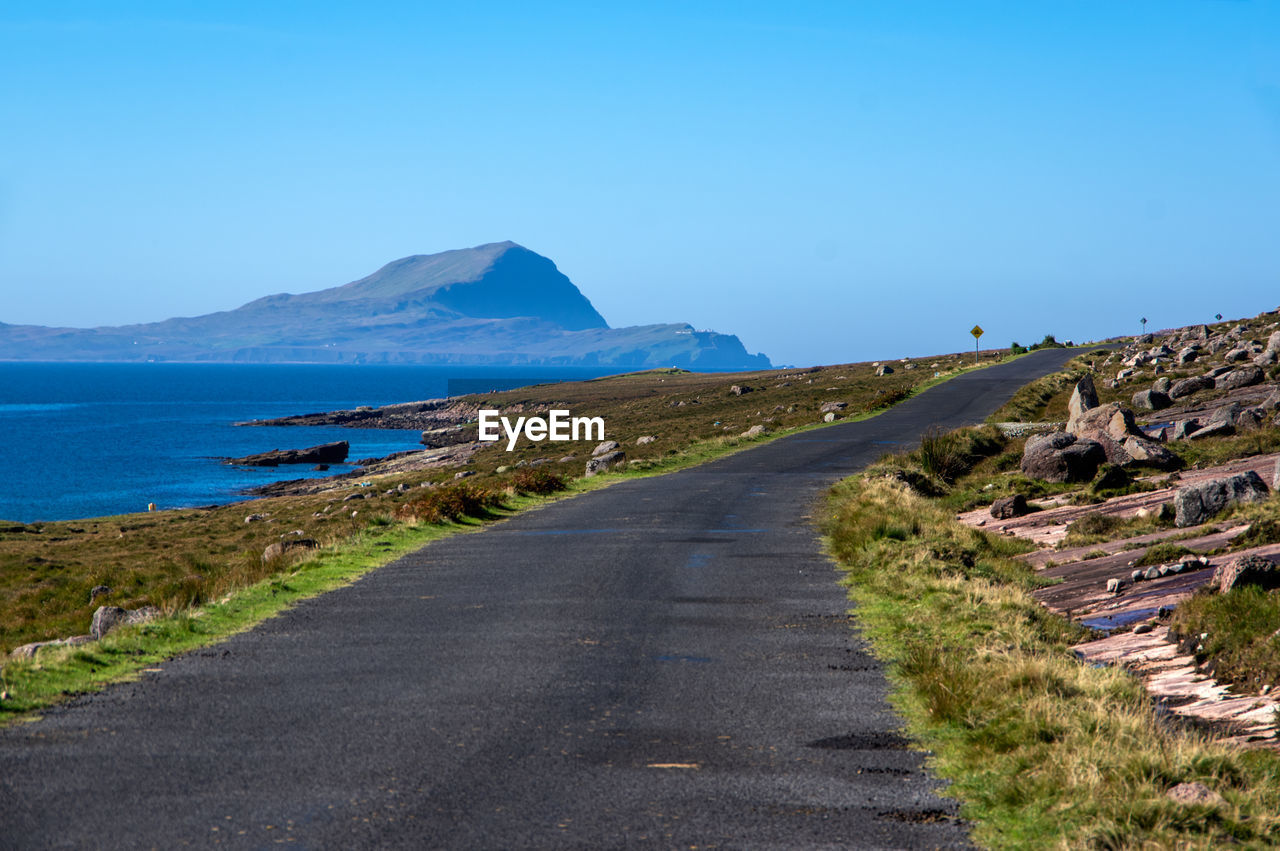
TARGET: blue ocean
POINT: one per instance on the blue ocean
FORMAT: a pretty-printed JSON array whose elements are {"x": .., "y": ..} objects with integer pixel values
[{"x": 86, "y": 440}]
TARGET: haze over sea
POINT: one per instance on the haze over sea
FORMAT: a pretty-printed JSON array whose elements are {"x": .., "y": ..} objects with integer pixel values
[{"x": 86, "y": 440}]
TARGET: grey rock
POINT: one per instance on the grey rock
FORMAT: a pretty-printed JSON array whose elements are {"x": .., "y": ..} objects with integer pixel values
[
  {"x": 829, "y": 407},
  {"x": 1221, "y": 428},
  {"x": 1009, "y": 507},
  {"x": 1186, "y": 356},
  {"x": 754, "y": 431},
  {"x": 1151, "y": 400},
  {"x": 1138, "y": 575},
  {"x": 98, "y": 591},
  {"x": 884, "y": 369},
  {"x": 1188, "y": 386},
  {"x": 1083, "y": 398},
  {"x": 107, "y": 618},
  {"x": 1145, "y": 339},
  {"x": 829, "y": 417},
  {"x": 601, "y": 463},
  {"x": 605, "y": 448},
  {"x": 1162, "y": 385},
  {"x": 1246, "y": 570},
  {"x": 1061, "y": 457},
  {"x": 1227, "y": 413},
  {"x": 1142, "y": 629},
  {"x": 1245, "y": 376},
  {"x": 1275, "y": 476},
  {"x": 280, "y": 548},
  {"x": 1196, "y": 504},
  {"x": 739, "y": 389},
  {"x": 463, "y": 474},
  {"x": 645, "y": 439},
  {"x": 1183, "y": 429},
  {"x": 1114, "y": 586},
  {"x": 1152, "y": 573},
  {"x": 255, "y": 518},
  {"x": 1236, "y": 355}
]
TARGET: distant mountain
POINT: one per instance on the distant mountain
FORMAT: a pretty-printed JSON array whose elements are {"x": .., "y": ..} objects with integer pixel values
[{"x": 494, "y": 304}]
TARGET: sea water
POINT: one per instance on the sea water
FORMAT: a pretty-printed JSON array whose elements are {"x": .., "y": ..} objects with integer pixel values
[{"x": 86, "y": 440}]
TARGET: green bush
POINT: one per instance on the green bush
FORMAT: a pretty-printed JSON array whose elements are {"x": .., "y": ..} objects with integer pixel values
[
  {"x": 450, "y": 502},
  {"x": 536, "y": 480}
]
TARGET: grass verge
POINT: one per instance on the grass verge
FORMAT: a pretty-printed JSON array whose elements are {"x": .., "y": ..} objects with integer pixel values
[{"x": 1042, "y": 751}]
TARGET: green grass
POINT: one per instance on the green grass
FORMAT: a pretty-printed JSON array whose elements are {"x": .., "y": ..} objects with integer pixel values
[
  {"x": 1043, "y": 752},
  {"x": 1240, "y": 644}
]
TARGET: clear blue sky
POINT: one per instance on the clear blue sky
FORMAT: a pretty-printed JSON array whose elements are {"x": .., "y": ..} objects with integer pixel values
[{"x": 831, "y": 181}]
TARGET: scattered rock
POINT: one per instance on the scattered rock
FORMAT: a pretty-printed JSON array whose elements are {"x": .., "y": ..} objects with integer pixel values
[
  {"x": 829, "y": 417},
  {"x": 1197, "y": 503},
  {"x": 1183, "y": 429},
  {"x": 1162, "y": 385},
  {"x": 884, "y": 369},
  {"x": 829, "y": 407},
  {"x": 1009, "y": 507},
  {"x": 349, "y": 497},
  {"x": 605, "y": 448},
  {"x": 1188, "y": 386},
  {"x": 1062, "y": 457},
  {"x": 739, "y": 389},
  {"x": 280, "y": 548},
  {"x": 1114, "y": 586},
  {"x": 1142, "y": 629},
  {"x": 107, "y": 618},
  {"x": 1221, "y": 428},
  {"x": 97, "y": 591},
  {"x": 1245, "y": 376},
  {"x": 602, "y": 462},
  {"x": 1151, "y": 400},
  {"x": 255, "y": 518},
  {"x": 645, "y": 439},
  {"x": 754, "y": 431},
  {"x": 463, "y": 474}
]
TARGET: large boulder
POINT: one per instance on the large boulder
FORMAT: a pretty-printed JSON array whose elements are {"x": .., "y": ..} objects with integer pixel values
[
  {"x": 1083, "y": 398},
  {"x": 1196, "y": 504},
  {"x": 1009, "y": 507},
  {"x": 1188, "y": 386},
  {"x": 605, "y": 461},
  {"x": 605, "y": 447},
  {"x": 1245, "y": 376},
  {"x": 1151, "y": 400},
  {"x": 1246, "y": 570},
  {"x": 1062, "y": 457},
  {"x": 107, "y": 618}
]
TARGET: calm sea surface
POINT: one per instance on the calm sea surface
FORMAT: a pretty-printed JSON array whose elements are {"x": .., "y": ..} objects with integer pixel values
[{"x": 85, "y": 440}]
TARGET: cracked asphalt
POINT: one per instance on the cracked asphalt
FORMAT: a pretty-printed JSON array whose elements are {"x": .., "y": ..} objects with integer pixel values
[{"x": 668, "y": 663}]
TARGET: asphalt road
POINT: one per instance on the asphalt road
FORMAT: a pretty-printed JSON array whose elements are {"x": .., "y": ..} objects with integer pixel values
[{"x": 664, "y": 663}]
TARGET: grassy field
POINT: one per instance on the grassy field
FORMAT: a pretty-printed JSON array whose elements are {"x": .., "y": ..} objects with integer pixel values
[{"x": 1042, "y": 751}]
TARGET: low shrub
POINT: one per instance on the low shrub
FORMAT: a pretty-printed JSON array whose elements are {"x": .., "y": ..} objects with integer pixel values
[
  {"x": 536, "y": 480},
  {"x": 450, "y": 502}
]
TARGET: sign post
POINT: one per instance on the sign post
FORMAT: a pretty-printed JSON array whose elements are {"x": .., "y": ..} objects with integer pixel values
[{"x": 976, "y": 331}]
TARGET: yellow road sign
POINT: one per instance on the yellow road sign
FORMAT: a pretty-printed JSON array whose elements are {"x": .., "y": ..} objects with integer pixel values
[{"x": 976, "y": 332}]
